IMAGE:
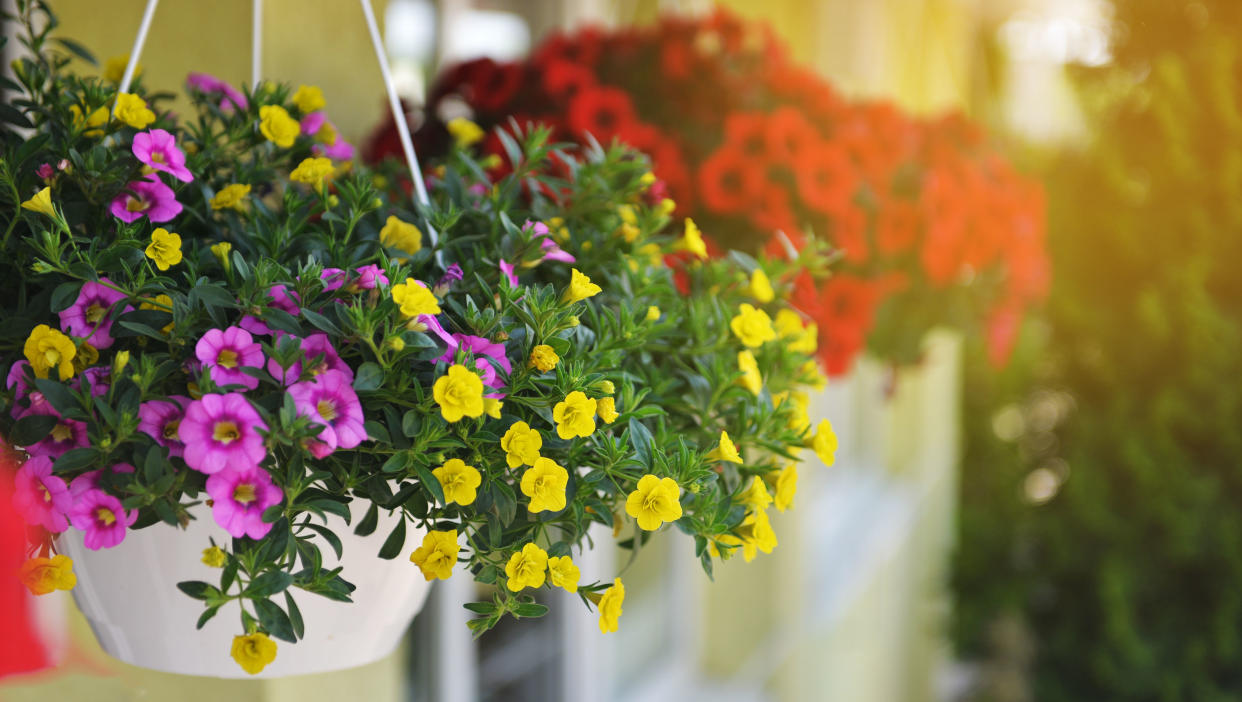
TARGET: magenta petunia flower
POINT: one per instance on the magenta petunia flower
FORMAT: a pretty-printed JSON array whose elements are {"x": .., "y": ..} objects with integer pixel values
[
  {"x": 365, "y": 278},
  {"x": 480, "y": 347},
  {"x": 102, "y": 518},
  {"x": 330, "y": 401},
  {"x": 97, "y": 377},
  {"x": 161, "y": 420},
  {"x": 225, "y": 352},
  {"x": 239, "y": 497},
  {"x": 89, "y": 316},
  {"x": 17, "y": 379},
  {"x": 40, "y": 498},
  {"x": 220, "y": 431},
  {"x": 158, "y": 149},
  {"x": 209, "y": 84},
  {"x": 313, "y": 122},
  {"x": 551, "y": 251},
  {"x": 67, "y": 434},
  {"x": 340, "y": 150},
  {"x": 148, "y": 197},
  {"x": 507, "y": 269},
  {"x": 282, "y": 299},
  {"x": 318, "y": 352}
]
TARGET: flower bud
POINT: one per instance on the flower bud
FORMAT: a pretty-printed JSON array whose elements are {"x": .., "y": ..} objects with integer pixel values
[
  {"x": 121, "y": 360},
  {"x": 395, "y": 343}
]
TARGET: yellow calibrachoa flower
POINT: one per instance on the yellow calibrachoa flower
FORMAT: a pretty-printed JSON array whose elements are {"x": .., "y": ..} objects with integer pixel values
[
  {"x": 465, "y": 132},
  {"x": 580, "y": 287},
  {"x": 563, "y": 573},
  {"x": 723, "y": 546},
  {"x": 756, "y": 497},
  {"x": 114, "y": 68},
  {"x": 44, "y": 575},
  {"x": 277, "y": 126},
  {"x": 757, "y": 535},
  {"x": 437, "y": 555},
  {"x": 459, "y": 393},
  {"x": 214, "y": 557},
  {"x": 308, "y": 98},
  {"x": 725, "y": 451},
  {"x": 401, "y": 235},
  {"x": 492, "y": 406},
  {"x": 544, "y": 483},
  {"x": 825, "y": 442},
  {"x": 788, "y": 323},
  {"x": 667, "y": 205},
  {"x": 692, "y": 240},
  {"x": 521, "y": 445},
  {"x": 86, "y": 357},
  {"x": 809, "y": 372},
  {"x": 312, "y": 171},
  {"x": 41, "y": 203},
  {"x": 253, "y": 652},
  {"x": 526, "y": 568},
  {"x": 46, "y": 348},
  {"x": 654, "y": 501},
  {"x": 653, "y": 313},
  {"x": 414, "y": 298},
  {"x": 798, "y": 403},
  {"x": 610, "y": 606},
  {"x": 459, "y": 481},
  {"x": 786, "y": 486},
  {"x": 752, "y": 326},
  {"x": 91, "y": 125},
  {"x": 606, "y": 407},
  {"x": 760, "y": 287},
  {"x": 559, "y": 231},
  {"x": 575, "y": 415},
  {"x": 751, "y": 379},
  {"x": 231, "y": 196},
  {"x": 646, "y": 179},
  {"x": 133, "y": 110},
  {"x": 544, "y": 358},
  {"x": 165, "y": 248}
]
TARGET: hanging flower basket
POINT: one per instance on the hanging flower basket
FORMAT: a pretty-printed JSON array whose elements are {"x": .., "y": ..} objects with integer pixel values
[{"x": 247, "y": 375}]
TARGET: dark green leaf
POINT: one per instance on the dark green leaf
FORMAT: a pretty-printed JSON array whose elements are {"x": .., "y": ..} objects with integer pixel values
[
  {"x": 206, "y": 617},
  {"x": 366, "y": 526},
  {"x": 32, "y": 429},
  {"x": 274, "y": 620},
  {"x": 197, "y": 589},
  {"x": 295, "y": 615},
  {"x": 65, "y": 295},
  {"x": 269, "y": 584},
  {"x": 74, "y": 459},
  {"x": 368, "y": 377},
  {"x": 395, "y": 541},
  {"x": 431, "y": 483}
]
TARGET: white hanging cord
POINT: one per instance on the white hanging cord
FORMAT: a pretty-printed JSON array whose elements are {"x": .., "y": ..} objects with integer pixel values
[
  {"x": 135, "y": 52},
  {"x": 256, "y": 45},
  {"x": 398, "y": 116}
]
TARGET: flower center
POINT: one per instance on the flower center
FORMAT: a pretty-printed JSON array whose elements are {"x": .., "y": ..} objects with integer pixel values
[
  {"x": 226, "y": 432},
  {"x": 244, "y": 493},
  {"x": 326, "y": 409},
  {"x": 157, "y": 156},
  {"x": 653, "y": 503},
  {"x": 227, "y": 358},
  {"x": 47, "y": 496},
  {"x": 62, "y": 432},
  {"x": 105, "y": 516},
  {"x": 95, "y": 313},
  {"x": 52, "y": 357},
  {"x": 136, "y": 204},
  {"x": 171, "y": 430}
]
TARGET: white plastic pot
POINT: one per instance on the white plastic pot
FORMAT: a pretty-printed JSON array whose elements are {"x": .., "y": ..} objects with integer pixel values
[{"x": 129, "y": 595}]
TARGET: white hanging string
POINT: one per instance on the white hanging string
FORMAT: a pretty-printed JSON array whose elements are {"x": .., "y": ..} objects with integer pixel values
[
  {"x": 398, "y": 116},
  {"x": 256, "y": 45},
  {"x": 136, "y": 51}
]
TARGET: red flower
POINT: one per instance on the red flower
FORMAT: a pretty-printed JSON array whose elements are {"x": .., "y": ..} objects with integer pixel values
[
  {"x": 564, "y": 80},
  {"x": 824, "y": 177},
  {"x": 897, "y": 226},
  {"x": 493, "y": 85},
  {"x": 602, "y": 112},
  {"x": 729, "y": 182},
  {"x": 790, "y": 135},
  {"x": 747, "y": 132},
  {"x": 582, "y": 48},
  {"x": 849, "y": 231}
]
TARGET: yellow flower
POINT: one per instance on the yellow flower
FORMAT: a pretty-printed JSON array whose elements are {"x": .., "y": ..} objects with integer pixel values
[
  {"x": 92, "y": 124},
  {"x": 133, "y": 110},
  {"x": 607, "y": 386},
  {"x": 231, "y": 196},
  {"x": 798, "y": 403},
  {"x": 654, "y": 501},
  {"x": 723, "y": 546},
  {"x": 756, "y": 497},
  {"x": 752, "y": 326},
  {"x": 786, "y": 486},
  {"x": 459, "y": 481},
  {"x": 47, "y": 348},
  {"x": 788, "y": 323},
  {"x": 492, "y": 406},
  {"x": 575, "y": 415},
  {"x": 610, "y": 606},
  {"x": 308, "y": 98},
  {"x": 400, "y": 235},
  {"x": 560, "y": 232},
  {"x": 563, "y": 573},
  {"x": 825, "y": 442},
  {"x": 653, "y": 313},
  {"x": 667, "y": 205},
  {"x": 692, "y": 240},
  {"x": 87, "y": 356},
  {"x": 122, "y": 358},
  {"x": 465, "y": 132},
  {"x": 521, "y": 445},
  {"x": 459, "y": 393},
  {"x": 526, "y": 568},
  {"x": 544, "y": 483},
  {"x": 414, "y": 298},
  {"x": 41, "y": 203},
  {"x": 253, "y": 652},
  {"x": 164, "y": 249},
  {"x": 810, "y": 374},
  {"x": 214, "y": 556},
  {"x": 543, "y": 357},
  {"x": 760, "y": 287},
  {"x": 221, "y": 252},
  {"x": 757, "y": 535},
  {"x": 277, "y": 126},
  {"x": 751, "y": 379},
  {"x": 725, "y": 451},
  {"x": 606, "y": 407},
  {"x": 312, "y": 171},
  {"x": 580, "y": 287},
  {"x": 114, "y": 68},
  {"x": 43, "y": 575},
  {"x": 437, "y": 555},
  {"x": 646, "y": 179}
]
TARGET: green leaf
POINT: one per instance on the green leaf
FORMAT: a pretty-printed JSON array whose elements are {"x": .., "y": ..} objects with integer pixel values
[
  {"x": 395, "y": 541},
  {"x": 77, "y": 49},
  {"x": 321, "y": 322},
  {"x": 32, "y": 429},
  {"x": 530, "y": 609},
  {"x": 274, "y": 619},
  {"x": 154, "y": 464},
  {"x": 212, "y": 296},
  {"x": 642, "y": 441},
  {"x": 431, "y": 483},
  {"x": 366, "y": 526},
  {"x": 65, "y": 295},
  {"x": 74, "y": 459},
  {"x": 240, "y": 266},
  {"x": 206, "y": 617},
  {"x": 369, "y": 377},
  {"x": 328, "y": 535},
  {"x": 410, "y": 423},
  {"x": 269, "y": 584},
  {"x": 396, "y": 463},
  {"x": 295, "y": 615},
  {"x": 197, "y": 589}
]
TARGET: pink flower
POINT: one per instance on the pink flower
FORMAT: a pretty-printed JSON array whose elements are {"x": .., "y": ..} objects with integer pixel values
[
  {"x": 282, "y": 299},
  {"x": 319, "y": 354},
  {"x": 226, "y": 352},
  {"x": 158, "y": 149},
  {"x": 239, "y": 497},
  {"x": 330, "y": 401},
  {"x": 97, "y": 378},
  {"x": 90, "y": 480},
  {"x": 67, "y": 434},
  {"x": 148, "y": 197},
  {"x": 103, "y": 519},
  {"x": 89, "y": 317},
  {"x": 364, "y": 278},
  {"x": 17, "y": 379},
  {"x": 480, "y": 347},
  {"x": 433, "y": 325},
  {"x": 507, "y": 269},
  {"x": 313, "y": 122},
  {"x": 551, "y": 251},
  {"x": 340, "y": 150},
  {"x": 220, "y": 431},
  {"x": 45, "y": 171},
  {"x": 205, "y": 83},
  {"x": 39, "y": 497},
  {"x": 161, "y": 421}
]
